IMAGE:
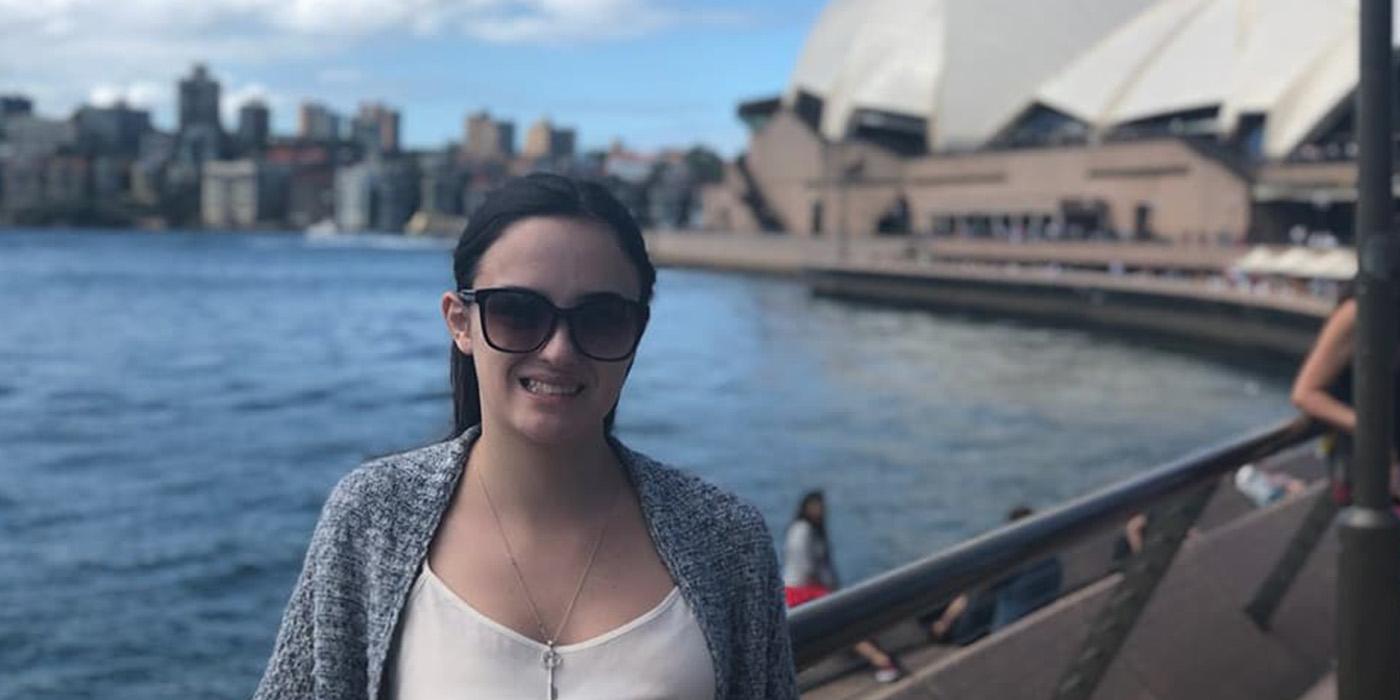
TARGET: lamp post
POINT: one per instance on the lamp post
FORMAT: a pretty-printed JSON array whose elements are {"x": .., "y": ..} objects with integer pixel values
[{"x": 1368, "y": 584}]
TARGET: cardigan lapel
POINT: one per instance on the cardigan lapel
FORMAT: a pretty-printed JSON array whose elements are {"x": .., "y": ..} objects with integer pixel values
[
  {"x": 670, "y": 521},
  {"x": 434, "y": 474}
]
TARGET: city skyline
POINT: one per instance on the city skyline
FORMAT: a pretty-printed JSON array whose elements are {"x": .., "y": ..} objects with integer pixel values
[{"x": 654, "y": 74}]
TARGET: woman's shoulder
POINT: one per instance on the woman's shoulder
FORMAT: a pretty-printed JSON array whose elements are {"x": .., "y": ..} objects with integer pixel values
[{"x": 390, "y": 487}]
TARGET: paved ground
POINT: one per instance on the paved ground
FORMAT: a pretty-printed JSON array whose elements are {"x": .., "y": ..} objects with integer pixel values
[
  {"x": 1325, "y": 689},
  {"x": 1191, "y": 643}
]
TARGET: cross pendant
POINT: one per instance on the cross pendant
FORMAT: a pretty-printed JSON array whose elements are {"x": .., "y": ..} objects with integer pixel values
[{"x": 551, "y": 659}]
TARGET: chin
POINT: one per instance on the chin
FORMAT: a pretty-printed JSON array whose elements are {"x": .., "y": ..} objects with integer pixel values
[{"x": 556, "y": 429}]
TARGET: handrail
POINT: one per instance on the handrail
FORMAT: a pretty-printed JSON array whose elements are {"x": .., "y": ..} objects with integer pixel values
[{"x": 841, "y": 619}]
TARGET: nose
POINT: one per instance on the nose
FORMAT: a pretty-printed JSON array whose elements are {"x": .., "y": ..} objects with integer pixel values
[{"x": 559, "y": 347}]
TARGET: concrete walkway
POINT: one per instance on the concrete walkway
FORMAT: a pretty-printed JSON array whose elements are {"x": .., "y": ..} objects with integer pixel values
[
  {"x": 1324, "y": 689},
  {"x": 1192, "y": 642}
]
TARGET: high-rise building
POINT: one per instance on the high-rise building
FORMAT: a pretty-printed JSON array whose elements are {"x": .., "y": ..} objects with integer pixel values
[
  {"x": 537, "y": 139},
  {"x": 243, "y": 193},
  {"x": 376, "y": 128},
  {"x": 15, "y": 106},
  {"x": 115, "y": 130},
  {"x": 254, "y": 126},
  {"x": 545, "y": 141},
  {"x": 316, "y": 122},
  {"x": 199, "y": 100},
  {"x": 29, "y": 136},
  {"x": 201, "y": 133},
  {"x": 378, "y": 195},
  {"x": 488, "y": 139},
  {"x": 562, "y": 143}
]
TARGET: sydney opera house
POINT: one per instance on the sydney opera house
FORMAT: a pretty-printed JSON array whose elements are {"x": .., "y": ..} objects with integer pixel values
[{"x": 1200, "y": 121}]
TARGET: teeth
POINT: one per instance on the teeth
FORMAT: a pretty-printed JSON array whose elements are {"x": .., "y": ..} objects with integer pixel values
[{"x": 537, "y": 387}]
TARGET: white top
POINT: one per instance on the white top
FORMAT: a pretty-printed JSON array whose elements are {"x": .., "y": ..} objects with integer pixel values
[
  {"x": 805, "y": 557},
  {"x": 447, "y": 649}
]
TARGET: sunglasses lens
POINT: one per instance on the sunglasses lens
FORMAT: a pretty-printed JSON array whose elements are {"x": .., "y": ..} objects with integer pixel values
[
  {"x": 607, "y": 329},
  {"x": 516, "y": 321}
]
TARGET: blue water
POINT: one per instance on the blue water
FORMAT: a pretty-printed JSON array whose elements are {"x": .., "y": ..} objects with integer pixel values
[{"x": 175, "y": 407}]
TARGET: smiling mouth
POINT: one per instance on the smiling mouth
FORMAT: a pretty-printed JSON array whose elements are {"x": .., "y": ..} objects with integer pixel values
[{"x": 534, "y": 386}]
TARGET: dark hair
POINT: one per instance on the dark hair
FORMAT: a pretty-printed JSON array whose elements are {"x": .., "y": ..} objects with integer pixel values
[
  {"x": 813, "y": 496},
  {"x": 539, "y": 194}
]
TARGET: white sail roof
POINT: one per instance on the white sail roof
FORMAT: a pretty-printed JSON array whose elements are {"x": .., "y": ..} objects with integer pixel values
[
  {"x": 969, "y": 67},
  {"x": 965, "y": 66},
  {"x": 884, "y": 55},
  {"x": 1292, "y": 61}
]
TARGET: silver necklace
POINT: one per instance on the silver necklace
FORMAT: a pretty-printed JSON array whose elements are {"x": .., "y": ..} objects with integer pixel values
[{"x": 551, "y": 658}]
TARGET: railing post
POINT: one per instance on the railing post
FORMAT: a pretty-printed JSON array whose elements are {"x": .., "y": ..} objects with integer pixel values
[
  {"x": 1114, "y": 621},
  {"x": 1368, "y": 584}
]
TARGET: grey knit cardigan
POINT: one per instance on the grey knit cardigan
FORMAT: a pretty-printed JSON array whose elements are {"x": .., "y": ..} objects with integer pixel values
[{"x": 339, "y": 627}]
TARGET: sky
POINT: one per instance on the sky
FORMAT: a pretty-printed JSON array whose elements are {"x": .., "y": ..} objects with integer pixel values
[{"x": 654, "y": 73}]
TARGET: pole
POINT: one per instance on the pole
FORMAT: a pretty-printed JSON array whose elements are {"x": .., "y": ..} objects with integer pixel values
[
  {"x": 1368, "y": 585},
  {"x": 844, "y": 183}
]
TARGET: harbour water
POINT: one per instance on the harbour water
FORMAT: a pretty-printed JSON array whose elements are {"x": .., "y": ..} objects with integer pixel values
[{"x": 175, "y": 407}]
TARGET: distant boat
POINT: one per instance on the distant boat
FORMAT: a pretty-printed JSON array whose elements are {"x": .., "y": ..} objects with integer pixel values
[{"x": 324, "y": 227}]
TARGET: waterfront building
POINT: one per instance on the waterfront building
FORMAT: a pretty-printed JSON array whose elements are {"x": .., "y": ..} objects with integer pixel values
[
  {"x": 1213, "y": 121},
  {"x": 29, "y": 136},
  {"x": 671, "y": 192},
  {"x": 111, "y": 179},
  {"x": 376, "y": 128},
  {"x": 310, "y": 168},
  {"x": 21, "y": 188},
  {"x": 199, "y": 100},
  {"x": 237, "y": 194},
  {"x": 376, "y": 195},
  {"x": 200, "y": 136},
  {"x": 67, "y": 182},
  {"x": 317, "y": 122},
  {"x": 544, "y": 141},
  {"x": 13, "y": 106},
  {"x": 148, "y": 170},
  {"x": 114, "y": 130},
  {"x": 487, "y": 139},
  {"x": 441, "y": 183},
  {"x": 44, "y": 189},
  {"x": 254, "y": 127}
]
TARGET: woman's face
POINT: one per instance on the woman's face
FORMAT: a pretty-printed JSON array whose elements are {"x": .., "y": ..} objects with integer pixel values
[
  {"x": 565, "y": 260},
  {"x": 814, "y": 510}
]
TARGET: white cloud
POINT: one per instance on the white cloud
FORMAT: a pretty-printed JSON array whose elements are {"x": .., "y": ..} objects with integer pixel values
[
  {"x": 63, "y": 52},
  {"x": 144, "y": 94}
]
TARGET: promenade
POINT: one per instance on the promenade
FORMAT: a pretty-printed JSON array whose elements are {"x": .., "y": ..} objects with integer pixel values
[
  {"x": 1192, "y": 642},
  {"x": 1192, "y": 294}
]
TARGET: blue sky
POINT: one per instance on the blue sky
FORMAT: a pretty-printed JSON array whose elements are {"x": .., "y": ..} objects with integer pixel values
[{"x": 652, "y": 72}]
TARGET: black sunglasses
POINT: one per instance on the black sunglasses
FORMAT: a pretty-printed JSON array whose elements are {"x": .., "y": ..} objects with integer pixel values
[{"x": 605, "y": 327}]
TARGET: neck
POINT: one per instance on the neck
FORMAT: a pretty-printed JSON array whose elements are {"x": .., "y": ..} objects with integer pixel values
[{"x": 549, "y": 483}]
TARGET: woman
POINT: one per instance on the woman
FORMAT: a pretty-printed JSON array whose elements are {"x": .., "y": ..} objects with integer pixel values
[
  {"x": 808, "y": 574},
  {"x": 1323, "y": 390},
  {"x": 533, "y": 555}
]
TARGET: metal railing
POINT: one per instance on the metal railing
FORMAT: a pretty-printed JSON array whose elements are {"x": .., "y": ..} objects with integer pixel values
[{"x": 841, "y": 619}]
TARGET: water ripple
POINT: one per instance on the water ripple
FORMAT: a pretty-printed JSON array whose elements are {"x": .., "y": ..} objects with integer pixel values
[{"x": 156, "y": 500}]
